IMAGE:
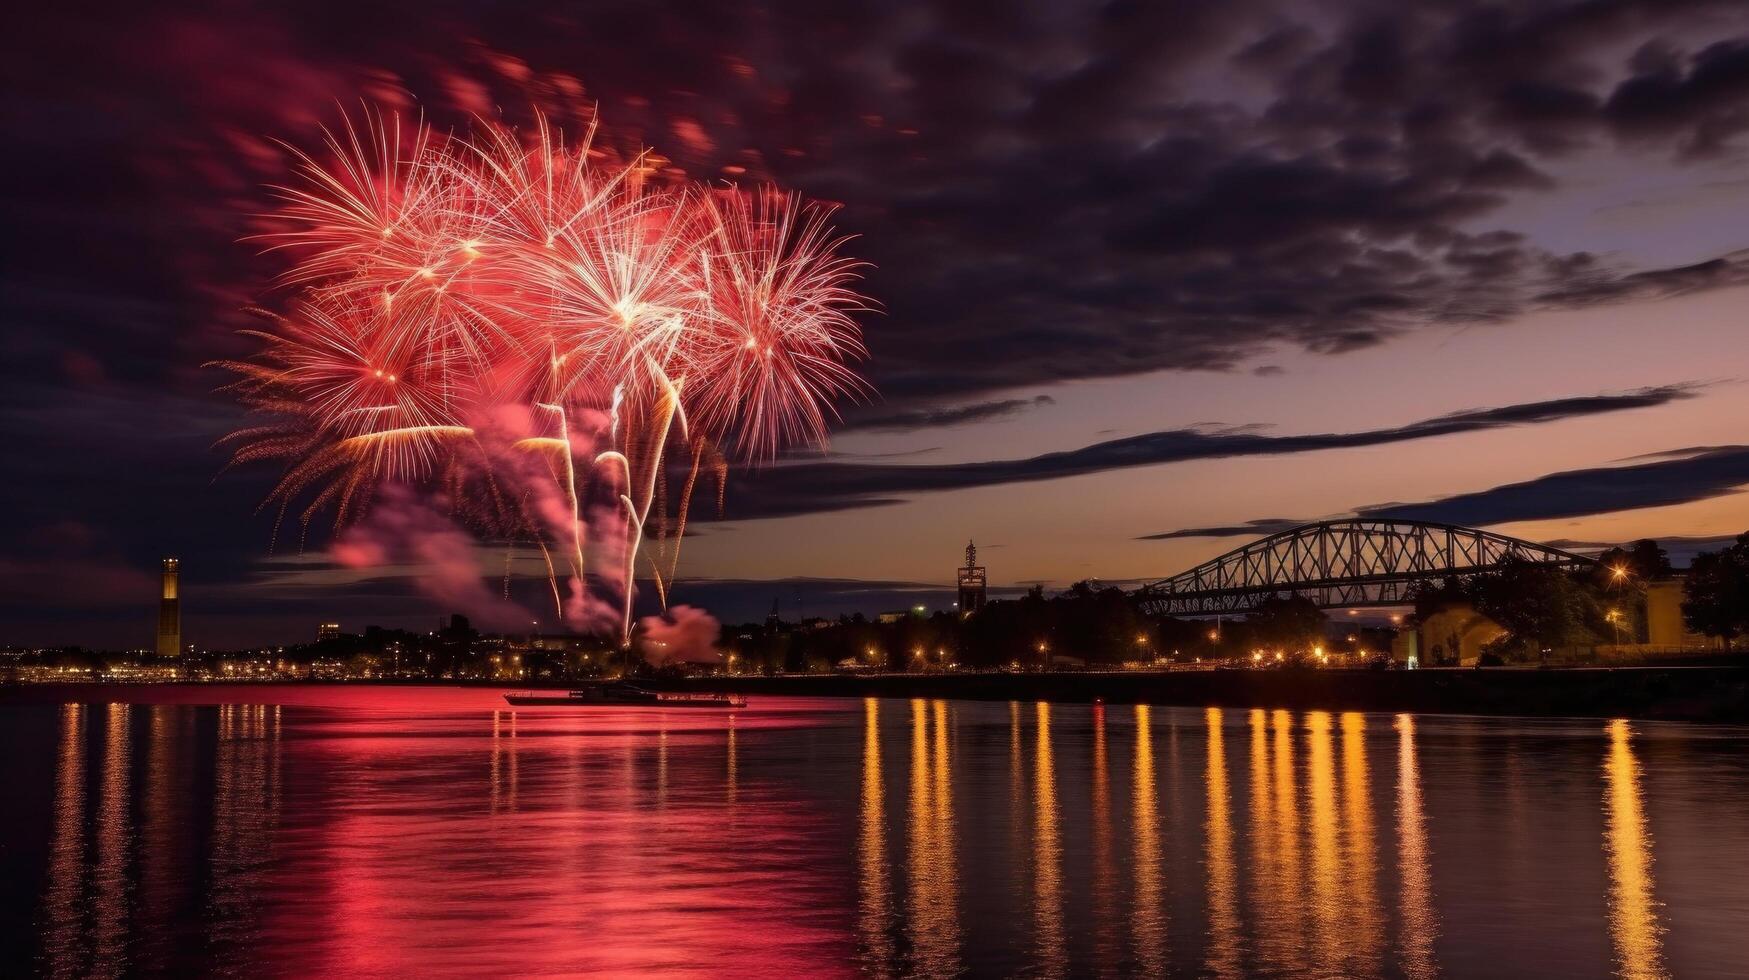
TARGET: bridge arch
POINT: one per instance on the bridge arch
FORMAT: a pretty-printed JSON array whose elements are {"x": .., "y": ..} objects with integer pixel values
[{"x": 1342, "y": 564}]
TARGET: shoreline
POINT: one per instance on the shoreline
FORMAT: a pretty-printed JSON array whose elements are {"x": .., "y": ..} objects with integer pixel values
[
  {"x": 1704, "y": 694},
  {"x": 1714, "y": 695}
]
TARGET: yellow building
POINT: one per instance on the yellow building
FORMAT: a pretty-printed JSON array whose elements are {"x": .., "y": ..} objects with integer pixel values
[
  {"x": 1452, "y": 637},
  {"x": 1664, "y": 625}
]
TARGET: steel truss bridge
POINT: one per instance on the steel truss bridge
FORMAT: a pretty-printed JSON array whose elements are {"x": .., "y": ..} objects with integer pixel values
[{"x": 1341, "y": 565}]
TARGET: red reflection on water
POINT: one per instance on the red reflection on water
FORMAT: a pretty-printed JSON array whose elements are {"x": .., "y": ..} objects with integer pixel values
[
  {"x": 541, "y": 841},
  {"x": 437, "y": 831}
]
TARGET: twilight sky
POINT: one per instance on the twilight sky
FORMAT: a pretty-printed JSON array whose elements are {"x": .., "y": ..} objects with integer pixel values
[{"x": 1155, "y": 277}]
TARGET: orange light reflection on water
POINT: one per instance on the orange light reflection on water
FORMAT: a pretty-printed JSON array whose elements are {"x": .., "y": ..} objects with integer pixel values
[
  {"x": 1224, "y": 926},
  {"x": 1633, "y": 912},
  {"x": 1148, "y": 916}
]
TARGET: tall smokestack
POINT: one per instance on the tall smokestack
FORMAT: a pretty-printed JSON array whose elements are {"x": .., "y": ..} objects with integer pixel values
[{"x": 169, "y": 614}]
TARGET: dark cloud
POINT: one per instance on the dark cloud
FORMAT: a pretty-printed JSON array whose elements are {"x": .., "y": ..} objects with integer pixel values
[
  {"x": 1583, "y": 493},
  {"x": 1680, "y": 548},
  {"x": 1701, "y": 103},
  {"x": 1677, "y": 477},
  {"x": 1585, "y": 289},
  {"x": 932, "y": 418},
  {"x": 1261, "y": 527},
  {"x": 1047, "y": 192},
  {"x": 828, "y": 486}
]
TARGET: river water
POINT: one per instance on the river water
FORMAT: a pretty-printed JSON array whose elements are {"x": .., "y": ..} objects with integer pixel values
[{"x": 313, "y": 831}]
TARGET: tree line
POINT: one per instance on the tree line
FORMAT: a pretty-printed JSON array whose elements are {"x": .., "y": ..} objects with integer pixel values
[{"x": 1540, "y": 608}]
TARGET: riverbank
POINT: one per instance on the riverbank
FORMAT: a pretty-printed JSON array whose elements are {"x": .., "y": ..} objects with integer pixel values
[
  {"x": 1716, "y": 694},
  {"x": 1704, "y": 694}
]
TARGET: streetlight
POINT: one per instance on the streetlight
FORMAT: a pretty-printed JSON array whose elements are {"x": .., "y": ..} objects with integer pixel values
[{"x": 1614, "y": 617}]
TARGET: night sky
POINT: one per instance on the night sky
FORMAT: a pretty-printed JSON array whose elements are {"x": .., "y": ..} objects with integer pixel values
[{"x": 1153, "y": 277}]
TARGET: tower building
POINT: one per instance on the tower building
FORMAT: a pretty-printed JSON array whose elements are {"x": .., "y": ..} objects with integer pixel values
[
  {"x": 971, "y": 579},
  {"x": 170, "y": 613}
]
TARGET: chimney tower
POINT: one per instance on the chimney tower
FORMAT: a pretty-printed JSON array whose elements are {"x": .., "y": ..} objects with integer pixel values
[
  {"x": 971, "y": 582},
  {"x": 170, "y": 613}
]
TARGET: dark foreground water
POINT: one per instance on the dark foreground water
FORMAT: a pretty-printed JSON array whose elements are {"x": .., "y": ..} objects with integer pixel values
[{"x": 421, "y": 832}]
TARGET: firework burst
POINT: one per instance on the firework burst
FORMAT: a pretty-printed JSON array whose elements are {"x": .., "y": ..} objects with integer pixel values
[{"x": 528, "y": 329}]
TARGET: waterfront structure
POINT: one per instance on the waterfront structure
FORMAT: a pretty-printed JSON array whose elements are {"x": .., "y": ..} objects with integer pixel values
[
  {"x": 1646, "y": 626},
  {"x": 1665, "y": 626},
  {"x": 170, "y": 612},
  {"x": 971, "y": 582},
  {"x": 1452, "y": 637},
  {"x": 1346, "y": 564}
]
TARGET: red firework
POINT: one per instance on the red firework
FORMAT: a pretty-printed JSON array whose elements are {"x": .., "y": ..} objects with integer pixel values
[{"x": 443, "y": 286}]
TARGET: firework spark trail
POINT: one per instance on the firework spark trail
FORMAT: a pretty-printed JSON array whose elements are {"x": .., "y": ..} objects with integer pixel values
[{"x": 462, "y": 304}]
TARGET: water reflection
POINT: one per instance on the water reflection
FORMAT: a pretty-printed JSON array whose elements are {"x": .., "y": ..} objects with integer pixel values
[
  {"x": 164, "y": 796},
  {"x": 504, "y": 776},
  {"x": 187, "y": 840},
  {"x": 933, "y": 902},
  {"x": 1279, "y": 898},
  {"x": 661, "y": 767},
  {"x": 1262, "y": 834},
  {"x": 1105, "y": 916},
  {"x": 1147, "y": 908},
  {"x": 732, "y": 778},
  {"x": 1326, "y": 899},
  {"x": 1017, "y": 834},
  {"x": 114, "y": 837},
  {"x": 1633, "y": 913},
  {"x": 63, "y": 905},
  {"x": 1420, "y": 922},
  {"x": 1363, "y": 929},
  {"x": 246, "y": 808},
  {"x": 1047, "y": 854},
  {"x": 876, "y": 895},
  {"x": 1223, "y": 931}
]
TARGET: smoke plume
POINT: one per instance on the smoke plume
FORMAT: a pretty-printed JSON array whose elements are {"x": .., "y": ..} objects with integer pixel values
[{"x": 686, "y": 635}]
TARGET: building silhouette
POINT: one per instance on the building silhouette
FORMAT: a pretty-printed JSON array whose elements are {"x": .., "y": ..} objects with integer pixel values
[
  {"x": 170, "y": 612},
  {"x": 971, "y": 580}
]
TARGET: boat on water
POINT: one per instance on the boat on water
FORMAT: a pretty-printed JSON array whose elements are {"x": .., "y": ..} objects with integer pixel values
[{"x": 621, "y": 696}]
